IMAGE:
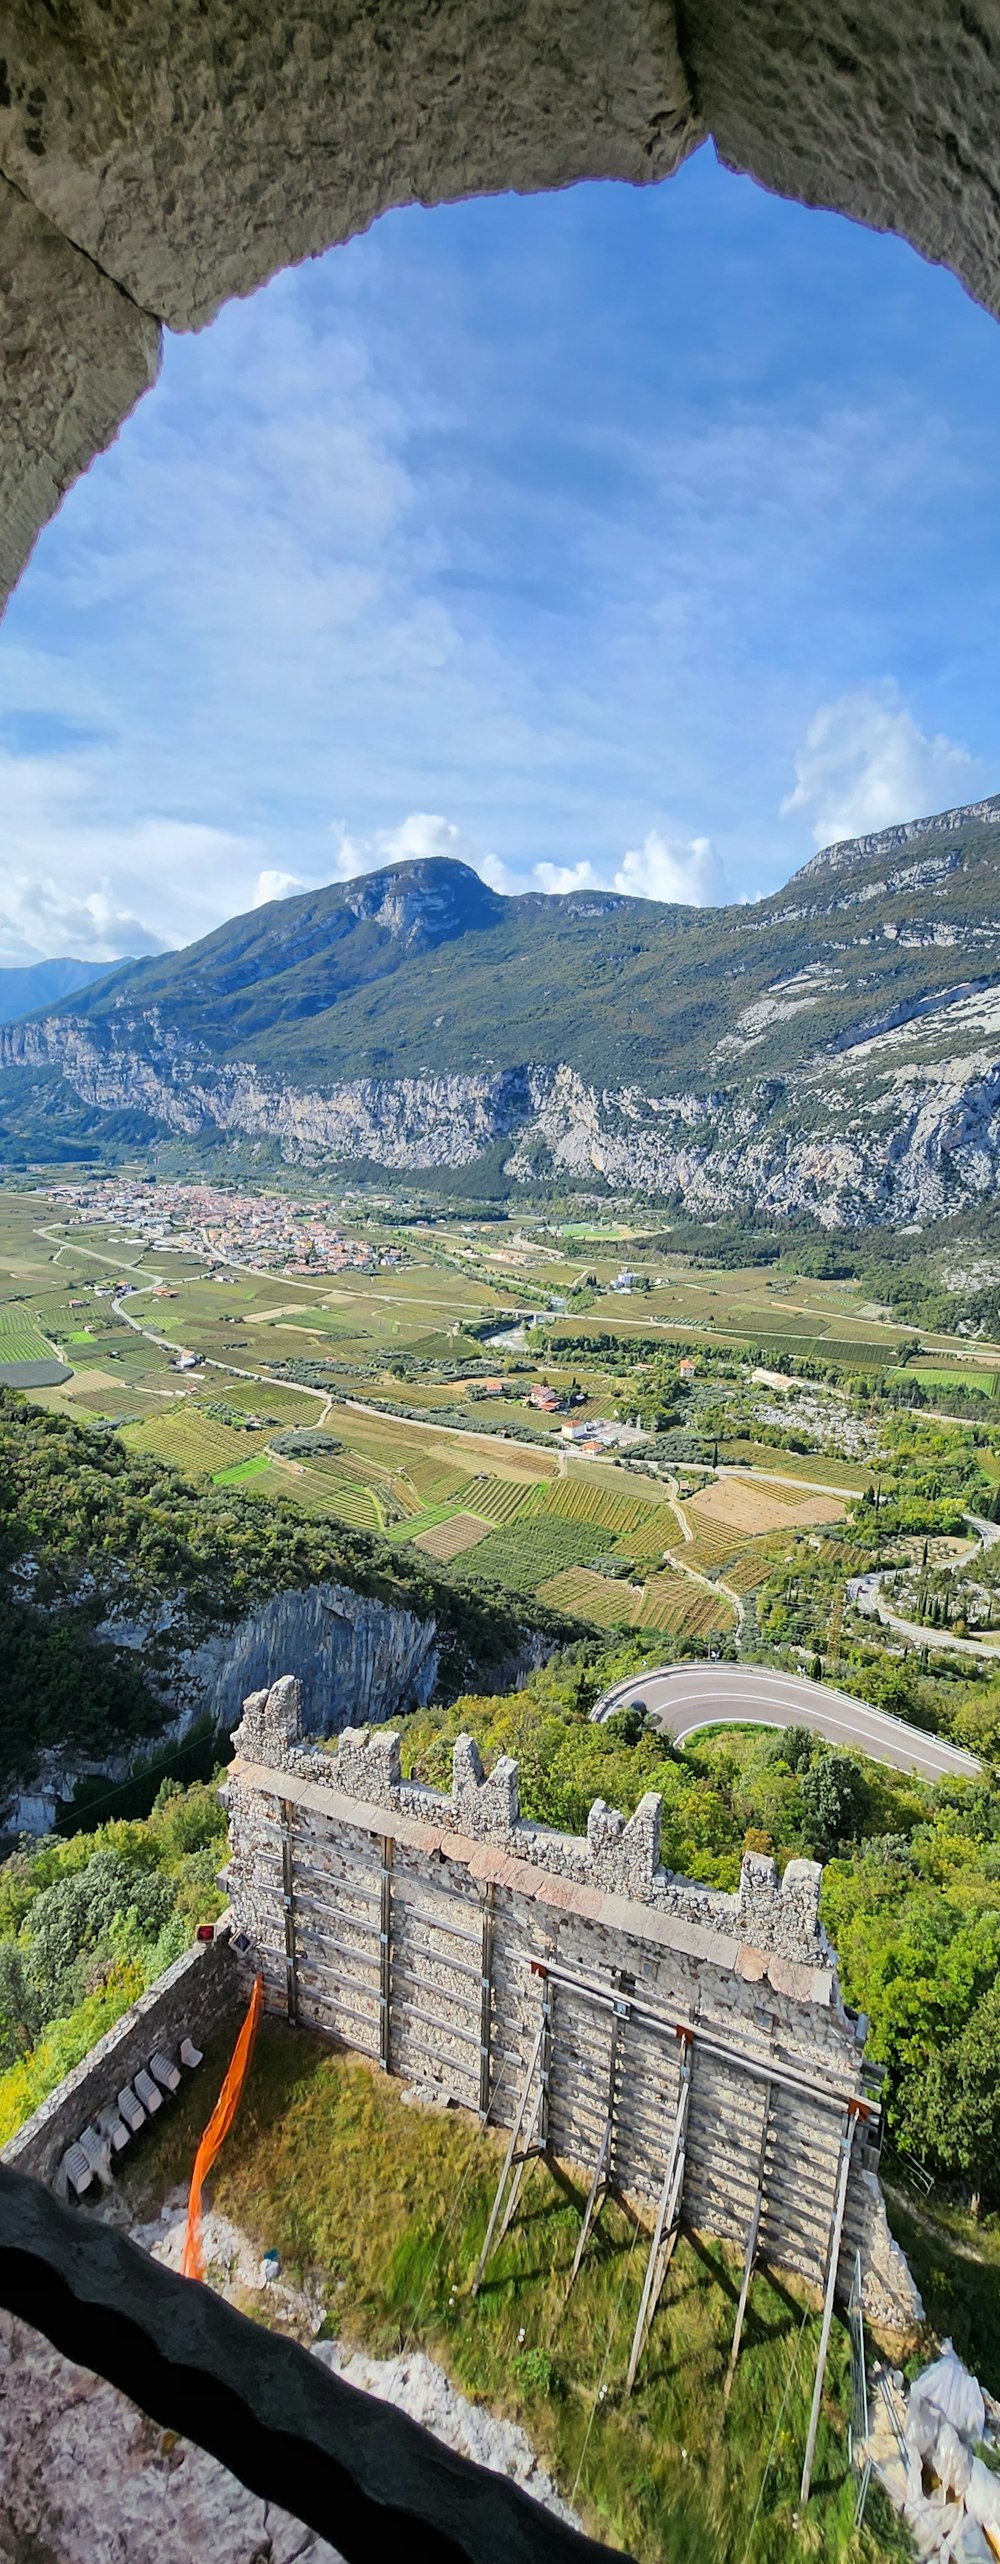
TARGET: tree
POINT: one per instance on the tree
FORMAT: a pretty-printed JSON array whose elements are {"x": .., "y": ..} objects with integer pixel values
[
  {"x": 76, "y": 1916},
  {"x": 835, "y": 1802},
  {"x": 20, "y": 2010},
  {"x": 964, "y": 2100}
]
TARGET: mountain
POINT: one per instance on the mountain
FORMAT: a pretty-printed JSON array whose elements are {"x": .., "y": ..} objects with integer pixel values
[
  {"x": 834, "y": 1049},
  {"x": 24, "y": 990}
]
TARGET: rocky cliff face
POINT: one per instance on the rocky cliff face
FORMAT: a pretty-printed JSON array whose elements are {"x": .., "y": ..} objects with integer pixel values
[
  {"x": 358, "y": 1660},
  {"x": 835, "y": 1049},
  {"x": 873, "y": 1133}
]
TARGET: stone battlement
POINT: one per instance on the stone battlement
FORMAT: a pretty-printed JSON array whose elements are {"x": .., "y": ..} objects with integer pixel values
[{"x": 776, "y": 1917}]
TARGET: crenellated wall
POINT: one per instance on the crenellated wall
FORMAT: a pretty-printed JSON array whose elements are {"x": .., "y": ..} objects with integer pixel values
[{"x": 456, "y": 1943}]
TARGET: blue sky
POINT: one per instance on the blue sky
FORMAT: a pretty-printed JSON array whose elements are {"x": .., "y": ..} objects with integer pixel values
[{"x": 642, "y": 537}]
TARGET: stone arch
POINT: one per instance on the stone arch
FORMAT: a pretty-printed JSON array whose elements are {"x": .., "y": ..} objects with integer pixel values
[{"x": 158, "y": 157}]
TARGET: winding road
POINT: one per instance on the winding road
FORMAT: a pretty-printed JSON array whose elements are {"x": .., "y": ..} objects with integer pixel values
[{"x": 682, "y": 1698}]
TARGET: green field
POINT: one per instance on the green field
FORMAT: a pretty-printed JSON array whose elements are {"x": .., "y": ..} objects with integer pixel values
[
  {"x": 950, "y": 1376},
  {"x": 605, "y": 1601},
  {"x": 21, "y": 1338}
]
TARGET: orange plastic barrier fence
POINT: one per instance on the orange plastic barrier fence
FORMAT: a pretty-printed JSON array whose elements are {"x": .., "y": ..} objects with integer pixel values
[{"x": 221, "y": 2121}]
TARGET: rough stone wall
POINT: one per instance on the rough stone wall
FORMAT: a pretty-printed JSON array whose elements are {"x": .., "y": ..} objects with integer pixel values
[
  {"x": 440, "y": 1934},
  {"x": 778, "y": 1920},
  {"x": 75, "y": 355},
  {"x": 187, "y": 2001},
  {"x": 88, "y": 2479}
]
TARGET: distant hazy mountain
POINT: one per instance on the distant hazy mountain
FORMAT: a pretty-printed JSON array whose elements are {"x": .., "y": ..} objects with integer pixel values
[
  {"x": 835, "y": 1048},
  {"x": 43, "y": 983}
]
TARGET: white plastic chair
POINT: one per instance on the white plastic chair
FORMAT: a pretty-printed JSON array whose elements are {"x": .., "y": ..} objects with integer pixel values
[
  {"x": 131, "y": 2109},
  {"x": 164, "y": 2071},
  {"x": 74, "y": 2171}
]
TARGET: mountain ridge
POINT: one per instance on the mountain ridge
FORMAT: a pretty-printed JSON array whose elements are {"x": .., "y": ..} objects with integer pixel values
[
  {"x": 834, "y": 1047},
  {"x": 27, "y": 986}
]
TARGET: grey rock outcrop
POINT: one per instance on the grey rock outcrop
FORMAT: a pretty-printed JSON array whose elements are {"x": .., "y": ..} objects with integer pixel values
[
  {"x": 358, "y": 1658},
  {"x": 87, "y": 2479},
  {"x": 872, "y": 1135},
  {"x": 75, "y": 356}
]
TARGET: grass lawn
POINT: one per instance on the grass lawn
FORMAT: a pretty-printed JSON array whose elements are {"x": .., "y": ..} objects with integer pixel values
[{"x": 386, "y": 2205}]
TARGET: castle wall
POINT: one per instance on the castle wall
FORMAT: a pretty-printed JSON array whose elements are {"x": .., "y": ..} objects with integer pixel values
[
  {"x": 189, "y": 2000},
  {"x": 456, "y": 1944}
]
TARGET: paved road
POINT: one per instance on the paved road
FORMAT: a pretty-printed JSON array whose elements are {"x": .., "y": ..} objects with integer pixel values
[{"x": 685, "y": 1697}]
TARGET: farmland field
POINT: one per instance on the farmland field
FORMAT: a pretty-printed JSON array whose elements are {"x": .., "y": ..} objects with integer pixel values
[
  {"x": 822, "y": 1468},
  {"x": 749, "y": 1506},
  {"x": 585, "y": 1596},
  {"x": 576, "y": 1501},
  {"x": 675, "y": 1604},
  {"x": 446, "y": 1540},
  {"x": 498, "y": 1499},
  {"x": 243, "y": 1470},
  {"x": 715, "y": 1547},
  {"x": 949, "y": 1376},
  {"x": 21, "y": 1338},
  {"x": 754, "y": 1565},
  {"x": 390, "y": 1363},
  {"x": 523, "y": 1554},
  {"x": 193, "y": 1442}
]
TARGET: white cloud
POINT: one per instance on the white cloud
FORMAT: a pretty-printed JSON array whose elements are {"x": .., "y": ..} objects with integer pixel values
[
  {"x": 425, "y": 833},
  {"x": 75, "y": 882},
  {"x": 864, "y": 764},
  {"x": 276, "y": 885},
  {"x": 682, "y": 869},
  {"x": 557, "y": 877}
]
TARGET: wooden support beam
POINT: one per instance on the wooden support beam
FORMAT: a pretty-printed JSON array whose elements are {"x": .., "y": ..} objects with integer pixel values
[
  {"x": 597, "y": 2183},
  {"x": 513, "y": 2161},
  {"x": 385, "y": 1955},
  {"x": 667, "y": 2219},
  {"x": 486, "y": 2005},
  {"x": 545, "y": 2054},
  {"x": 833, "y": 2261},
  {"x": 602, "y": 2168},
  {"x": 751, "y": 2250},
  {"x": 288, "y": 1902}
]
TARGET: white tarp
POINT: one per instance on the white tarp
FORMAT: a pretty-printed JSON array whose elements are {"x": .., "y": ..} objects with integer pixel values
[{"x": 957, "y": 2396}]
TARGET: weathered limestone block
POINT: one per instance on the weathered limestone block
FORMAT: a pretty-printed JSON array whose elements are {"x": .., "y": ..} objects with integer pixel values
[
  {"x": 87, "y": 2476},
  {"x": 782, "y": 1918},
  {"x": 625, "y": 1857},
  {"x": 888, "y": 113},
  {"x": 193, "y": 152},
  {"x": 271, "y": 1724},
  {"x": 486, "y": 1806},
  {"x": 75, "y": 355},
  {"x": 366, "y": 1764}
]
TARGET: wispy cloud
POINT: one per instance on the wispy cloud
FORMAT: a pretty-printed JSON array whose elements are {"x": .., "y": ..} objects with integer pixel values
[
  {"x": 70, "y": 884},
  {"x": 556, "y": 517}
]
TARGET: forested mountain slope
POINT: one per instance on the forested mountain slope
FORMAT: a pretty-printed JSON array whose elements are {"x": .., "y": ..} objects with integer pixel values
[
  {"x": 126, "y": 1596},
  {"x": 835, "y": 1047}
]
